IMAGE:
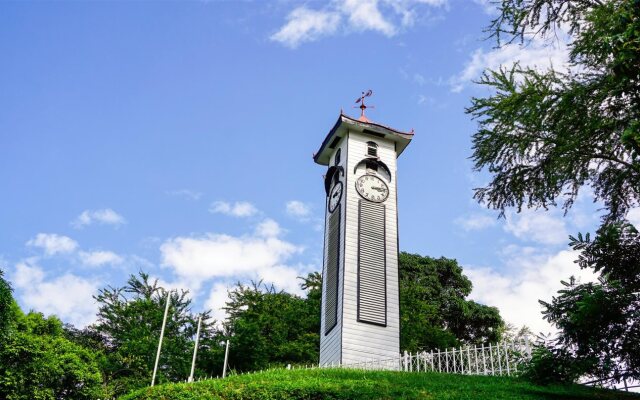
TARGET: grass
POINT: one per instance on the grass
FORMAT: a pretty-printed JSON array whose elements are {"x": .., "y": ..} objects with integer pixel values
[{"x": 339, "y": 384}]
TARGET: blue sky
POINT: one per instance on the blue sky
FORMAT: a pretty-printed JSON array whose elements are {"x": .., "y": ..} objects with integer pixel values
[{"x": 177, "y": 138}]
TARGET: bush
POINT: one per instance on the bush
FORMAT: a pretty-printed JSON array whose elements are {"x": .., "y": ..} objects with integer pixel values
[{"x": 549, "y": 365}]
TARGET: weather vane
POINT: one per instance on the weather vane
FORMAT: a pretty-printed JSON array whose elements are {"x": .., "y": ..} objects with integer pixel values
[{"x": 363, "y": 106}]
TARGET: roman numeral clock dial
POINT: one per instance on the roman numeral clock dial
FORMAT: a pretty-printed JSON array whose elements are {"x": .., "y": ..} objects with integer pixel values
[{"x": 372, "y": 188}]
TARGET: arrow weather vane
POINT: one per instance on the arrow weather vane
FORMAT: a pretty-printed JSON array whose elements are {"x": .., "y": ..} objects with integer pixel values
[{"x": 363, "y": 106}]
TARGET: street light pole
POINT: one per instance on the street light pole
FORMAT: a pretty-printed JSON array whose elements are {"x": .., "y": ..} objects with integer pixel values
[
  {"x": 164, "y": 323},
  {"x": 195, "y": 351}
]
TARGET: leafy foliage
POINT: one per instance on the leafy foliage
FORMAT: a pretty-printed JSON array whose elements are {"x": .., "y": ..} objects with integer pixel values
[
  {"x": 268, "y": 327},
  {"x": 316, "y": 384},
  {"x": 600, "y": 322},
  {"x": 128, "y": 329},
  {"x": 38, "y": 362},
  {"x": 544, "y": 135},
  {"x": 550, "y": 364},
  {"x": 434, "y": 312},
  {"x": 6, "y": 301}
]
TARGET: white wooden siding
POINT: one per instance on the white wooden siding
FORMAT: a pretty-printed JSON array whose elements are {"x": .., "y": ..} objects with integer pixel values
[
  {"x": 351, "y": 341},
  {"x": 362, "y": 341}
]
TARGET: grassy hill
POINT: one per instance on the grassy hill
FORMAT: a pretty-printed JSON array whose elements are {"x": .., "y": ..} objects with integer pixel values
[{"x": 337, "y": 384}]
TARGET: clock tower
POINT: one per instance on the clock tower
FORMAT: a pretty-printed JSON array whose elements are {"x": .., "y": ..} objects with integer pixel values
[{"x": 360, "y": 318}]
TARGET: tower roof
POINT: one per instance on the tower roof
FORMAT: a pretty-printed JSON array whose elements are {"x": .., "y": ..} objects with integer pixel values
[{"x": 346, "y": 123}]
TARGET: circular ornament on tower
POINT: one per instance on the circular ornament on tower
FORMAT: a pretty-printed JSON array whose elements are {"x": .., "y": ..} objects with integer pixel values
[
  {"x": 335, "y": 195},
  {"x": 372, "y": 188}
]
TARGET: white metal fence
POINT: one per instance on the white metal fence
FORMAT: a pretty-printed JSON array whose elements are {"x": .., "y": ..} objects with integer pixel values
[{"x": 497, "y": 359}]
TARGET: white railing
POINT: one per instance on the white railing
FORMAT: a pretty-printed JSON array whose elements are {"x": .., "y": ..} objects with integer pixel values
[{"x": 497, "y": 359}]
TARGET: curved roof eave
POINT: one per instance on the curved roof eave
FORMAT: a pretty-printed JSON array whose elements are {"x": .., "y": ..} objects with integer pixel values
[{"x": 344, "y": 123}]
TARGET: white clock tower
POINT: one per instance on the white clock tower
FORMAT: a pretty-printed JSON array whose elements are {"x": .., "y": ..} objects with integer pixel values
[{"x": 360, "y": 305}]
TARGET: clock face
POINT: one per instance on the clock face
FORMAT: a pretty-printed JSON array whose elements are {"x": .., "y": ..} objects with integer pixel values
[
  {"x": 372, "y": 188},
  {"x": 334, "y": 196}
]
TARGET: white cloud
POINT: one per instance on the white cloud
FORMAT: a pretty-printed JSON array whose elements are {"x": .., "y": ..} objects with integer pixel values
[
  {"x": 237, "y": 209},
  {"x": 419, "y": 79},
  {"x": 255, "y": 256},
  {"x": 345, "y": 16},
  {"x": 218, "y": 298},
  {"x": 539, "y": 53},
  {"x": 67, "y": 296},
  {"x": 633, "y": 216},
  {"x": 531, "y": 277},
  {"x": 53, "y": 244},
  {"x": 98, "y": 258},
  {"x": 488, "y": 6},
  {"x": 186, "y": 193},
  {"x": 305, "y": 25},
  {"x": 365, "y": 15},
  {"x": 268, "y": 228},
  {"x": 104, "y": 216},
  {"x": 298, "y": 209},
  {"x": 475, "y": 222},
  {"x": 537, "y": 226}
]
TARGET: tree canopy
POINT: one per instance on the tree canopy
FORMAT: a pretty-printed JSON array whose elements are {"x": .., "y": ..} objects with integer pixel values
[
  {"x": 600, "y": 322},
  {"x": 265, "y": 327},
  {"x": 6, "y": 301},
  {"x": 128, "y": 327},
  {"x": 545, "y": 135},
  {"x": 270, "y": 328},
  {"x": 434, "y": 311},
  {"x": 38, "y": 362}
]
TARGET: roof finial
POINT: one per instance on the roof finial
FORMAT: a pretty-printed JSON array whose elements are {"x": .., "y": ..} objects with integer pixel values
[{"x": 363, "y": 106}]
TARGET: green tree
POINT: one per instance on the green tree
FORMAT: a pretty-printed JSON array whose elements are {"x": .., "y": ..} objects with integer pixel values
[
  {"x": 434, "y": 311},
  {"x": 600, "y": 322},
  {"x": 269, "y": 328},
  {"x": 6, "y": 302},
  {"x": 543, "y": 136},
  {"x": 38, "y": 362},
  {"x": 128, "y": 327}
]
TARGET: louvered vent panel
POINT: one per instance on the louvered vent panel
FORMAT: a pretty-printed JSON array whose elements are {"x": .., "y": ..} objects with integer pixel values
[
  {"x": 333, "y": 262},
  {"x": 372, "y": 280}
]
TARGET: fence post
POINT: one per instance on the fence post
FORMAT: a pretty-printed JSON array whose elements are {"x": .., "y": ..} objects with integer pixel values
[
  {"x": 484, "y": 360},
  {"x": 497, "y": 347},
  {"x": 432, "y": 362},
  {"x": 446, "y": 360},
  {"x": 453, "y": 355},
  {"x": 469, "y": 358},
  {"x": 404, "y": 360},
  {"x": 475, "y": 353},
  {"x": 514, "y": 351},
  {"x": 506, "y": 352},
  {"x": 493, "y": 372},
  {"x": 527, "y": 346}
]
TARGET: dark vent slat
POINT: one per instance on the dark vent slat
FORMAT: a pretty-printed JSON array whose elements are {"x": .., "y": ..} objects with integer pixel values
[
  {"x": 372, "y": 294},
  {"x": 333, "y": 262}
]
